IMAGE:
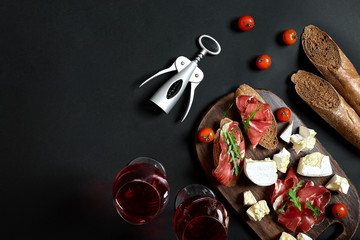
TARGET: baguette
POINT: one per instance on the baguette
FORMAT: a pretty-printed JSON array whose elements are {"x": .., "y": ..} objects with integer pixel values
[
  {"x": 269, "y": 140},
  {"x": 323, "y": 98},
  {"x": 332, "y": 63},
  {"x": 217, "y": 150}
]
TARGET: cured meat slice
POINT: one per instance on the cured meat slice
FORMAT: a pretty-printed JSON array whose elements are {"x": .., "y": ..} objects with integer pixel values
[
  {"x": 224, "y": 172},
  {"x": 318, "y": 196},
  {"x": 291, "y": 219},
  {"x": 256, "y": 117},
  {"x": 309, "y": 194},
  {"x": 281, "y": 188}
]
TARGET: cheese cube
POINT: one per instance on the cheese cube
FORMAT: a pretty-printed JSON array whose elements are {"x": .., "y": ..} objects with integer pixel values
[
  {"x": 249, "y": 198},
  {"x": 338, "y": 184},
  {"x": 304, "y": 141},
  {"x": 286, "y": 134},
  {"x": 286, "y": 236},
  {"x": 306, "y": 132},
  {"x": 303, "y": 236},
  {"x": 261, "y": 172},
  {"x": 282, "y": 160},
  {"x": 298, "y": 141},
  {"x": 257, "y": 211},
  {"x": 314, "y": 165}
]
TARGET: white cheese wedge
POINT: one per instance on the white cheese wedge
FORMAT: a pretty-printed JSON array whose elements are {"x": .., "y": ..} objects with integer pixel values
[
  {"x": 282, "y": 160},
  {"x": 286, "y": 134},
  {"x": 314, "y": 165},
  {"x": 259, "y": 210},
  {"x": 304, "y": 141},
  {"x": 261, "y": 172},
  {"x": 303, "y": 236},
  {"x": 338, "y": 184},
  {"x": 249, "y": 198},
  {"x": 286, "y": 236}
]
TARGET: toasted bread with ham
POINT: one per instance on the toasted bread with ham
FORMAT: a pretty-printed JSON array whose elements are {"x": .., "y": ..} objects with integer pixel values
[
  {"x": 263, "y": 128},
  {"x": 224, "y": 170}
]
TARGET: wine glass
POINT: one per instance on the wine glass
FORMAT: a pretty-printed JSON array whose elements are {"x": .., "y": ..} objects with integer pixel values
[
  {"x": 140, "y": 190},
  {"x": 199, "y": 215}
]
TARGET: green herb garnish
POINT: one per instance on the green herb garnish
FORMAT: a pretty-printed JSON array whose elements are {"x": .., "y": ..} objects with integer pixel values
[
  {"x": 282, "y": 207},
  {"x": 298, "y": 185},
  {"x": 246, "y": 121},
  {"x": 232, "y": 150},
  {"x": 293, "y": 198},
  {"x": 311, "y": 207},
  {"x": 292, "y": 195},
  {"x": 226, "y": 112}
]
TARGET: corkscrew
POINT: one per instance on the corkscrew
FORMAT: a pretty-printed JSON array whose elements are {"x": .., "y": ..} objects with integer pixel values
[{"x": 187, "y": 71}]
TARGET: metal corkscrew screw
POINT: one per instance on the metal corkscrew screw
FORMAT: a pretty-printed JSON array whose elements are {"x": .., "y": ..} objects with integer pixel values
[{"x": 187, "y": 71}]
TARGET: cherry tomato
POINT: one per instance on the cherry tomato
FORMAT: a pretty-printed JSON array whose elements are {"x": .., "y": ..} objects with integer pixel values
[
  {"x": 339, "y": 210},
  {"x": 289, "y": 37},
  {"x": 246, "y": 23},
  {"x": 283, "y": 114},
  {"x": 263, "y": 62},
  {"x": 206, "y": 135}
]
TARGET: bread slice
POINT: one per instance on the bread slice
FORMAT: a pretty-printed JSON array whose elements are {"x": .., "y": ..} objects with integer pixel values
[
  {"x": 217, "y": 147},
  {"x": 269, "y": 140},
  {"x": 321, "y": 96},
  {"x": 332, "y": 63}
]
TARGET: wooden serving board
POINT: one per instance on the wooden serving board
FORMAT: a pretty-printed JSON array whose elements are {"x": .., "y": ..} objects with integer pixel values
[{"x": 268, "y": 227}]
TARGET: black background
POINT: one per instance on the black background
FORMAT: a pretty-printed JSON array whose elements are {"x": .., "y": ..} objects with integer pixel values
[{"x": 72, "y": 115}]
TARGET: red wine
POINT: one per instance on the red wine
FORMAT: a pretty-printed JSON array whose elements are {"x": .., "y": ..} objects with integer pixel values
[
  {"x": 140, "y": 192},
  {"x": 201, "y": 217}
]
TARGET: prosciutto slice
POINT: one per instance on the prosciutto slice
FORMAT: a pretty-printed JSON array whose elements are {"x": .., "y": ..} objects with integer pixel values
[
  {"x": 281, "y": 188},
  {"x": 224, "y": 172},
  {"x": 260, "y": 122},
  {"x": 290, "y": 216}
]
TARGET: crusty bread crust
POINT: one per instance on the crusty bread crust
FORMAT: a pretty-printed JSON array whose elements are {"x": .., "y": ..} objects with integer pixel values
[
  {"x": 217, "y": 147},
  {"x": 323, "y": 98},
  {"x": 332, "y": 63},
  {"x": 269, "y": 140}
]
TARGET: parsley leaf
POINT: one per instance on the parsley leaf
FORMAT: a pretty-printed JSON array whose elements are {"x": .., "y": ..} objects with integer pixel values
[
  {"x": 246, "y": 121},
  {"x": 232, "y": 150},
  {"x": 311, "y": 207}
]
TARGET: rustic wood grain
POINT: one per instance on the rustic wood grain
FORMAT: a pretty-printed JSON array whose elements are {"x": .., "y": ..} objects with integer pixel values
[{"x": 268, "y": 227}]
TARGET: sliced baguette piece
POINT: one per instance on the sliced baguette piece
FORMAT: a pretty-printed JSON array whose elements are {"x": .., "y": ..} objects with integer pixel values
[
  {"x": 332, "y": 63},
  {"x": 269, "y": 140},
  {"x": 322, "y": 97},
  {"x": 217, "y": 147}
]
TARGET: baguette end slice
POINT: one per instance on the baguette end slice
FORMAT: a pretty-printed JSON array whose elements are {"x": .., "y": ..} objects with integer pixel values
[
  {"x": 322, "y": 97},
  {"x": 332, "y": 63},
  {"x": 320, "y": 48},
  {"x": 315, "y": 91}
]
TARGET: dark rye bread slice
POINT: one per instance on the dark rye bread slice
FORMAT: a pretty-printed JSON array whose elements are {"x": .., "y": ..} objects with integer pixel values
[
  {"x": 332, "y": 63},
  {"x": 322, "y": 97},
  {"x": 217, "y": 147},
  {"x": 269, "y": 140}
]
